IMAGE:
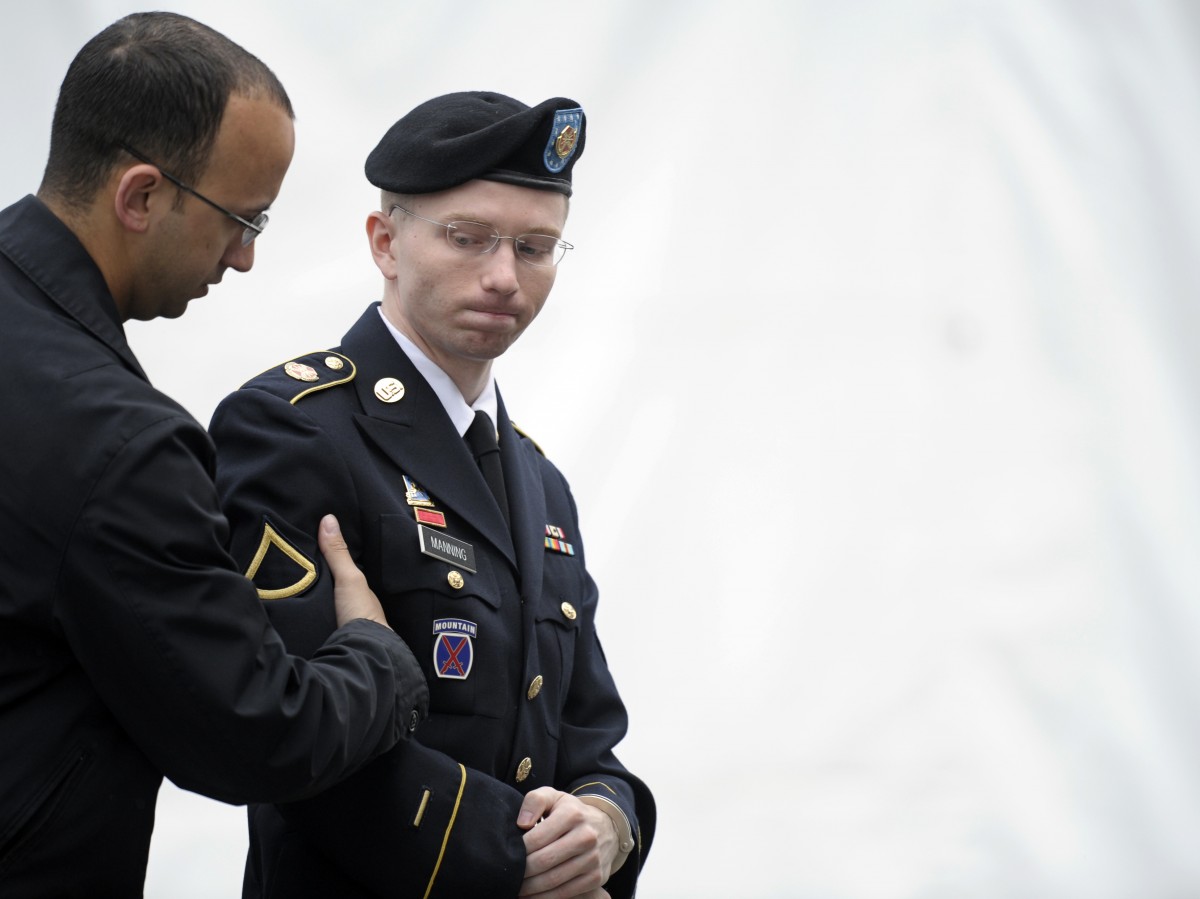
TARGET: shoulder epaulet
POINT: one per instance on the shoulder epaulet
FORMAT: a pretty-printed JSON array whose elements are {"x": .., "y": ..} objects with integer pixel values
[
  {"x": 527, "y": 437},
  {"x": 305, "y": 375}
]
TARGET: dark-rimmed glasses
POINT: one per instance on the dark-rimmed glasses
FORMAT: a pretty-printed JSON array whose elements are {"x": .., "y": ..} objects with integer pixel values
[
  {"x": 543, "y": 250},
  {"x": 253, "y": 229}
]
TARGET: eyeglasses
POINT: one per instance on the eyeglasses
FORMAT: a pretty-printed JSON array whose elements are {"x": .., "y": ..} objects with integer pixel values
[
  {"x": 253, "y": 229},
  {"x": 543, "y": 250}
]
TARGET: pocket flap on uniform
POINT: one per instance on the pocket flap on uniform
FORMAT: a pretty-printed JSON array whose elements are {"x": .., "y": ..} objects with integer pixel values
[{"x": 410, "y": 562}]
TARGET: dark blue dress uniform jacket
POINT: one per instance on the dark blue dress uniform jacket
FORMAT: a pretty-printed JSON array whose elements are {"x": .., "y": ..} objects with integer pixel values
[
  {"x": 437, "y": 815},
  {"x": 131, "y": 646}
]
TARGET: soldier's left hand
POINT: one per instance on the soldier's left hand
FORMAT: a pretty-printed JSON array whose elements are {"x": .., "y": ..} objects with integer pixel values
[{"x": 569, "y": 846}]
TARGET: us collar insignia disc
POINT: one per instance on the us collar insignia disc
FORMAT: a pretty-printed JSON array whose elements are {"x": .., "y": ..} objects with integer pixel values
[
  {"x": 301, "y": 372},
  {"x": 414, "y": 495},
  {"x": 389, "y": 390},
  {"x": 453, "y": 652},
  {"x": 449, "y": 549}
]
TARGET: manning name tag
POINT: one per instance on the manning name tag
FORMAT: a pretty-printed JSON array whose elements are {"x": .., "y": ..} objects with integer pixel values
[{"x": 447, "y": 548}]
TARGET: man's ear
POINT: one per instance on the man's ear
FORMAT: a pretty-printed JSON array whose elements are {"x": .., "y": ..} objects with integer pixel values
[
  {"x": 132, "y": 200},
  {"x": 380, "y": 237}
]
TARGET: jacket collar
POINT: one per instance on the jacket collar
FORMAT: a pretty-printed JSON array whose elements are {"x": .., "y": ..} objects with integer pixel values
[{"x": 38, "y": 243}]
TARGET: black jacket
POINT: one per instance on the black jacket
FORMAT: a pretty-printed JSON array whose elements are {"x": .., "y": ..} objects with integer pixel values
[
  {"x": 504, "y": 626},
  {"x": 130, "y": 645}
]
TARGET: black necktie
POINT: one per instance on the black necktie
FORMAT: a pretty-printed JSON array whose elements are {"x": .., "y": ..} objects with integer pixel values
[{"x": 481, "y": 439}]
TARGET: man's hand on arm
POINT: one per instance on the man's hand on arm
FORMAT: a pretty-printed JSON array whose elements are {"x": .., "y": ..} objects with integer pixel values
[
  {"x": 571, "y": 846},
  {"x": 352, "y": 598}
]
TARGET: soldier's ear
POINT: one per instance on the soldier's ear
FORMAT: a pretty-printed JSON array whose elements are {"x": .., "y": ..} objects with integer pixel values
[{"x": 381, "y": 236}]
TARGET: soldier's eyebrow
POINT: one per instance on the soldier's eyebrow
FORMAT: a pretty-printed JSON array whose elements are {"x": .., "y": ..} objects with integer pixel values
[{"x": 551, "y": 231}]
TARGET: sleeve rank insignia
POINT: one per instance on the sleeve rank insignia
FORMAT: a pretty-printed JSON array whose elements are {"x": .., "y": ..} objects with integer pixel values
[{"x": 278, "y": 569}]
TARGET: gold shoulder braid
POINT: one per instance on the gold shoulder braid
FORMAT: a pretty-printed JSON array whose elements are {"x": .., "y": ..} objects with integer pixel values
[
  {"x": 310, "y": 373},
  {"x": 527, "y": 437}
]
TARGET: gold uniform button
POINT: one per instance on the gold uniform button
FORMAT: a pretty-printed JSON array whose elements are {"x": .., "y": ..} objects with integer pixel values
[
  {"x": 334, "y": 363},
  {"x": 535, "y": 688},
  {"x": 568, "y": 611},
  {"x": 455, "y": 580},
  {"x": 523, "y": 769}
]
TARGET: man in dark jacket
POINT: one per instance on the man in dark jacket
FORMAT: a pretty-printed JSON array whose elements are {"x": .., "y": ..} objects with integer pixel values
[
  {"x": 511, "y": 786},
  {"x": 130, "y": 644}
]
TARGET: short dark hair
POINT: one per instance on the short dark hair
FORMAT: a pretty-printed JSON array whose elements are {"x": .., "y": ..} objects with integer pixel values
[{"x": 156, "y": 81}]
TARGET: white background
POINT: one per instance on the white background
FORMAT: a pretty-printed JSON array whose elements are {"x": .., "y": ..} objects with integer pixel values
[{"x": 873, "y": 373}]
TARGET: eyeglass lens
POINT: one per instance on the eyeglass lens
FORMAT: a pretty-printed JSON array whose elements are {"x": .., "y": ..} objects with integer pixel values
[
  {"x": 536, "y": 249},
  {"x": 259, "y": 222}
]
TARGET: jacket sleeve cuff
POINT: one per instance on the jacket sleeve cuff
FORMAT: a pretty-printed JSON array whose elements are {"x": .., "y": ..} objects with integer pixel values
[{"x": 625, "y": 841}]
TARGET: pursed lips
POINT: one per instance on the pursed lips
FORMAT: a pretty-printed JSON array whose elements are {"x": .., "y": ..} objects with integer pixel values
[{"x": 492, "y": 313}]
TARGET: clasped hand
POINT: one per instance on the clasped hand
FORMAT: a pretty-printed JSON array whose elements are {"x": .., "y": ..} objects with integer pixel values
[{"x": 570, "y": 846}]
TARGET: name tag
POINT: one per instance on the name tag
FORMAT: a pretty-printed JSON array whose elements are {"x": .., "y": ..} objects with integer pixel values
[{"x": 447, "y": 548}]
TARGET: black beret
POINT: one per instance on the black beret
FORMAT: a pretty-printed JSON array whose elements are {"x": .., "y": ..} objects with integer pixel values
[{"x": 452, "y": 139}]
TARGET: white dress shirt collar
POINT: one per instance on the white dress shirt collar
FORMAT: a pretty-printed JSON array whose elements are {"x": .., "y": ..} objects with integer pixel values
[{"x": 461, "y": 414}]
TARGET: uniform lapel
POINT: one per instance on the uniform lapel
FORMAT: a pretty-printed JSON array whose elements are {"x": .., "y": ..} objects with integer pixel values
[
  {"x": 416, "y": 434},
  {"x": 527, "y": 504}
]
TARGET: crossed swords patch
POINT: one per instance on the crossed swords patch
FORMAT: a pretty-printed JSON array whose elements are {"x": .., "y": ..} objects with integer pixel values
[{"x": 453, "y": 651}]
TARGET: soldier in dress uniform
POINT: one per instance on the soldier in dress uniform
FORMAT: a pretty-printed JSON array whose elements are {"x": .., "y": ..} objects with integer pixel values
[{"x": 465, "y": 530}]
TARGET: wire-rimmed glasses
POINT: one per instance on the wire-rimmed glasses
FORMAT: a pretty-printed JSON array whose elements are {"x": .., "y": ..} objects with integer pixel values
[
  {"x": 543, "y": 250},
  {"x": 253, "y": 229}
]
